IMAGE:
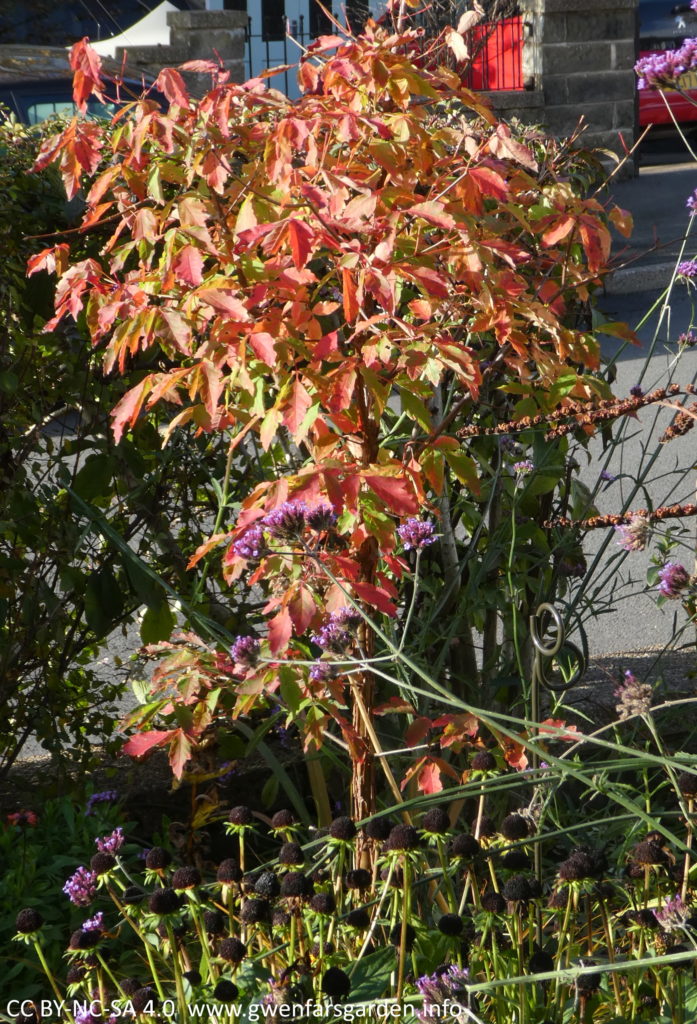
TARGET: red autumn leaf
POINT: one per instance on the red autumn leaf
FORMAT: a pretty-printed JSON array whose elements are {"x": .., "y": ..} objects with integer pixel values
[
  {"x": 171, "y": 83},
  {"x": 431, "y": 281},
  {"x": 280, "y": 630},
  {"x": 143, "y": 742},
  {"x": 350, "y": 295},
  {"x": 301, "y": 238},
  {"x": 568, "y": 733},
  {"x": 53, "y": 260},
  {"x": 127, "y": 410},
  {"x": 188, "y": 266},
  {"x": 145, "y": 225},
  {"x": 87, "y": 65},
  {"x": 433, "y": 213},
  {"x": 417, "y": 731},
  {"x": 558, "y": 231},
  {"x": 263, "y": 346},
  {"x": 296, "y": 407},
  {"x": 375, "y": 596},
  {"x": 224, "y": 302},
  {"x": 428, "y": 779},
  {"x": 179, "y": 752},
  {"x": 395, "y": 493},
  {"x": 302, "y": 609}
]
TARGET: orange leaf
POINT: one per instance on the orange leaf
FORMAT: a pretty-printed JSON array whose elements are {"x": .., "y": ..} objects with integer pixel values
[
  {"x": 280, "y": 630},
  {"x": 171, "y": 83},
  {"x": 376, "y": 597},
  {"x": 395, "y": 493},
  {"x": 350, "y": 296},
  {"x": 188, "y": 266},
  {"x": 301, "y": 238},
  {"x": 296, "y": 408},
  {"x": 558, "y": 231},
  {"x": 224, "y": 302}
]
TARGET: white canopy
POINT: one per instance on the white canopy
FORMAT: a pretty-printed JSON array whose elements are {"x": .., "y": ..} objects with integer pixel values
[{"x": 152, "y": 30}]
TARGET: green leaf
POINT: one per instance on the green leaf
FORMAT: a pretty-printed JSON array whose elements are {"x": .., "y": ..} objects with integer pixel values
[
  {"x": 158, "y": 623},
  {"x": 270, "y": 791},
  {"x": 103, "y": 601},
  {"x": 371, "y": 975},
  {"x": 94, "y": 479}
]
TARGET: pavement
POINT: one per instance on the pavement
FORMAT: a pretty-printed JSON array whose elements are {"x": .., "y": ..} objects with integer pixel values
[{"x": 664, "y": 231}]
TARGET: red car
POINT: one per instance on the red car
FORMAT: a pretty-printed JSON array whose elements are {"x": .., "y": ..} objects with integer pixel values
[{"x": 664, "y": 26}]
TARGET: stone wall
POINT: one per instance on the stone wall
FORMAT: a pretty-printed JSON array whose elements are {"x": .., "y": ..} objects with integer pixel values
[
  {"x": 579, "y": 59},
  {"x": 195, "y": 35}
]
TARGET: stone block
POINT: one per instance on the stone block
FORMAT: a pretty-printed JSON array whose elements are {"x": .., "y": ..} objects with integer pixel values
[
  {"x": 601, "y": 25},
  {"x": 561, "y": 58},
  {"x": 552, "y": 30},
  {"x": 600, "y": 87},
  {"x": 206, "y": 20},
  {"x": 624, "y": 54},
  {"x": 588, "y": 8},
  {"x": 564, "y": 120}
]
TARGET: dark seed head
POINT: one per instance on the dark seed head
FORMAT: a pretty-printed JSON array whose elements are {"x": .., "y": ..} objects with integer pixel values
[
  {"x": 645, "y": 919},
  {"x": 577, "y": 866},
  {"x": 186, "y": 878},
  {"x": 514, "y": 827},
  {"x": 358, "y": 918},
  {"x": 157, "y": 859},
  {"x": 132, "y": 895},
  {"x": 229, "y": 871},
  {"x": 280, "y": 918},
  {"x": 403, "y": 837},
  {"x": 378, "y": 828},
  {"x": 130, "y": 986},
  {"x": 323, "y": 903},
  {"x": 249, "y": 880},
  {"x": 291, "y": 853},
  {"x": 27, "y": 1018},
  {"x": 85, "y": 938},
  {"x": 465, "y": 846},
  {"x": 436, "y": 821},
  {"x": 358, "y": 878},
  {"x": 254, "y": 911},
  {"x": 336, "y": 983},
  {"x": 226, "y": 991},
  {"x": 241, "y": 815},
  {"x": 483, "y": 761},
  {"x": 493, "y": 902},
  {"x": 144, "y": 999},
  {"x": 649, "y": 853},
  {"x": 687, "y": 784},
  {"x": 213, "y": 922},
  {"x": 267, "y": 885},
  {"x": 28, "y": 921},
  {"x": 77, "y": 972},
  {"x": 342, "y": 828},
  {"x": 540, "y": 962},
  {"x": 102, "y": 862},
  {"x": 588, "y": 984},
  {"x": 295, "y": 883},
  {"x": 232, "y": 949},
  {"x": 164, "y": 901},
  {"x": 450, "y": 924},
  {"x": 515, "y": 860},
  {"x": 283, "y": 819},
  {"x": 193, "y": 977},
  {"x": 487, "y": 826},
  {"x": 396, "y": 935},
  {"x": 516, "y": 889},
  {"x": 328, "y": 949}
]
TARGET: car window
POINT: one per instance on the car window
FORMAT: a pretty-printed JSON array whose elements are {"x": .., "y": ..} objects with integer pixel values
[{"x": 38, "y": 110}]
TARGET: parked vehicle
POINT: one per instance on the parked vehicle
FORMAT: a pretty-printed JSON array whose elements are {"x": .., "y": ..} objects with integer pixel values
[{"x": 665, "y": 26}]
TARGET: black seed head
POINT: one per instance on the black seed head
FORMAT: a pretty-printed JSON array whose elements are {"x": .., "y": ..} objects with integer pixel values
[
  {"x": 241, "y": 815},
  {"x": 291, "y": 853},
  {"x": 267, "y": 885},
  {"x": 483, "y": 761},
  {"x": 295, "y": 883},
  {"x": 687, "y": 784},
  {"x": 378, "y": 829},
  {"x": 396, "y": 935},
  {"x": 193, "y": 977},
  {"x": 130, "y": 986},
  {"x": 186, "y": 878},
  {"x": 254, "y": 911},
  {"x": 249, "y": 880},
  {"x": 323, "y": 903},
  {"x": 487, "y": 826},
  {"x": 85, "y": 938},
  {"x": 493, "y": 902},
  {"x": 645, "y": 919},
  {"x": 280, "y": 918},
  {"x": 144, "y": 999},
  {"x": 450, "y": 924},
  {"x": 229, "y": 871},
  {"x": 226, "y": 991},
  {"x": 28, "y": 921},
  {"x": 403, "y": 837},
  {"x": 436, "y": 821},
  {"x": 358, "y": 918},
  {"x": 649, "y": 853},
  {"x": 515, "y": 860},
  {"x": 157, "y": 859},
  {"x": 283, "y": 819},
  {"x": 232, "y": 949},
  {"x": 328, "y": 949},
  {"x": 517, "y": 889},
  {"x": 343, "y": 828},
  {"x": 164, "y": 901},
  {"x": 336, "y": 983},
  {"x": 27, "y": 1018},
  {"x": 102, "y": 862},
  {"x": 76, "y": 973},
  {"x": 588, "y": 984},
  {"x": 465, "y": 846},
  {"x": 515, "y": 827},
  {"x": 540, "y": 962},
  {"x": 213, "y": 922},
  {"x": 358, "y": 878}
]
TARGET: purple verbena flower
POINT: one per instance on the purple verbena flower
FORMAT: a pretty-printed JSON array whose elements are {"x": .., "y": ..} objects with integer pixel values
[
  {"x": 245, "y": 651},
  {"x": 106, "y": 797},
  {"x": 111, "y": 843},
  {"x": 417, "y": 533},
  {"x": 687, "y": 270},
  {"x": 95, "y": 923},
  {"x": 321, "y": 672},
  {"x": 663, "y": 69},
  {"x": 251, "y": 545},
  {"x": 449, "y": 984},
  {"x": 633, "y": 697},
  {"x": 688, "y": 339},
  {"x": 607, "y": 476},
  {"x": 523, "y": 467},
  {"x": 81, "y": 887},
  {"x": 82, "y": 1015},
  {"x": 321, "y": 517},
  {"x": 673, "y": 915},
  {"x": 691, "y": 203},
  {"x": 636, "y": 391},
  {"x": 288, "y": 521},
  {"x": 674, "y": 578},
  {"x": 632, "y": 536},
  {"x": 332, "y": 636}
]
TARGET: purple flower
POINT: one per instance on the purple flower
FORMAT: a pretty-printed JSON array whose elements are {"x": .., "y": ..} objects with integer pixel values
[
  {"x": 524, "y": 467},
  {"x": 687, "y": 270},
  {"x": 449, "y": 984},
  {"x": 245, "y": 651},
  {"x": 674, "y": 578},
  {"x": 321, "y": 517},
  {"x": 673, "y": 915},
  {"x": 95, "y": 923},
  {"x": 417, "y": 533},
  {"x": 108, "y": 796},
  {"x": 251, "y": 545},
  {"x": 607, "y": 476},
  {"x": 332, "y": 636},
  {"x": 82, "y": 1015},
  {"x": 632, "y": 536},
  {"x": 633, "y": 697},
  {"x": 81, "y": 887},
  {"x": 287, "y": 521},
  {"x": 321, "y": 672},
  {"x": 663, "y": 69},
  {"x": 688, "y": 338},
  {"x": 636, "y": 391},
  {"x": 111, "y": 843},
  {"x": 691, "y": 203}
]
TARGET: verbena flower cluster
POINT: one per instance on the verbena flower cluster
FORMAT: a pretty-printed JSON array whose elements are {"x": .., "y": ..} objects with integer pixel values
[
  {"x": 663, "y": 69},
  {"x": 287, "y": 522},
  {"x": 416, "y": 534},
  {"x": 633, "y": 696},
  {"x": 674, "y": 579},
  {"x": 81, "y": 888},
  {"x": 633, "y": 536}
]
